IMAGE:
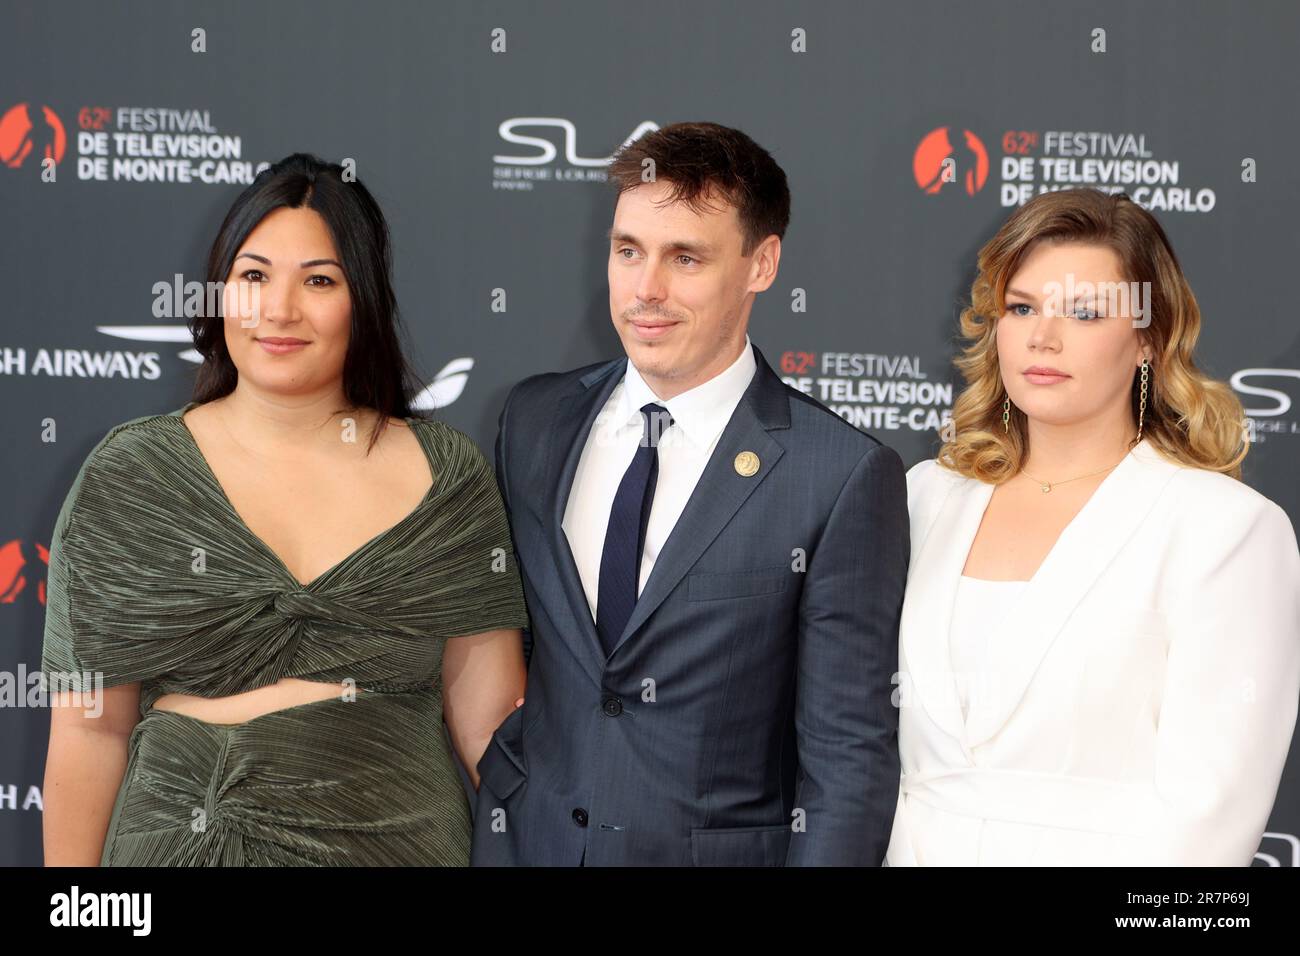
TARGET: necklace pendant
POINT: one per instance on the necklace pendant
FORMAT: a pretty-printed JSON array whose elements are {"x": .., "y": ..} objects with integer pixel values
[{"x": 1046, "y": 488}]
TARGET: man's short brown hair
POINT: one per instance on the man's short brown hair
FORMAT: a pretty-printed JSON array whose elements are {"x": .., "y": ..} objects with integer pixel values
[{"x": 697, "y": 159}]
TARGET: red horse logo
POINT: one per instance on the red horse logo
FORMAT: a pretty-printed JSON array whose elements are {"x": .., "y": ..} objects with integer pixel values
[
  {"x": 14, "y": 571},
  {"x": 28, "y": 130},
  {"x": 928, "y": 162}
]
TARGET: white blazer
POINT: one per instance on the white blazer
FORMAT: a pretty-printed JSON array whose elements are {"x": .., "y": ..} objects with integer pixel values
[{"x": 1137, "y": 702}]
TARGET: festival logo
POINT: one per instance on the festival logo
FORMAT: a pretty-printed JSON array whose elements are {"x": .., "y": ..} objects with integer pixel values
[
  {"x": 136, "y": 144},
  {"x": 31, "y": 131},
  {"x": 943, "y": 157},
  {"x": 20, "y": 573},
  {"x": 949, "y": 159},
  {"x": 871, "y": 392}
]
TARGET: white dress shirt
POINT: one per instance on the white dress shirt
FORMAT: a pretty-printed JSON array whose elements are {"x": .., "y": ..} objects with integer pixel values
[{"x": 699, "y": 417}]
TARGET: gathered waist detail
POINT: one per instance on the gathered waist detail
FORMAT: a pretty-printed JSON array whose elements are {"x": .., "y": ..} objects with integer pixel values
[{"x": 301, "y": 783}]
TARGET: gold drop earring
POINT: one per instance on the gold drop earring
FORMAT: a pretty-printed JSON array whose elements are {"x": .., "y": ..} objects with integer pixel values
[
  {"x": 1006, "y": 413},
  {"x": 1142, "y": 398}
]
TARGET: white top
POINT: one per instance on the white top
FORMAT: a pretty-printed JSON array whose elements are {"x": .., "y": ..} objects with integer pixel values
[
  {"x": 977, "y": 610},
  {"x": 699, "y": 417}
]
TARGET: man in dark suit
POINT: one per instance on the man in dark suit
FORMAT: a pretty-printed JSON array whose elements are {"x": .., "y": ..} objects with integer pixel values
[{"x": 714, "y": 563}]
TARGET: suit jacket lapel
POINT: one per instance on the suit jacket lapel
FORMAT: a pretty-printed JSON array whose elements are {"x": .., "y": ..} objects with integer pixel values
[
  {"x": 1087, "y": 546},
  {"x": 932, "y": 580},
  {"x": 717, "y": 497},
  {"x": 574, "y": 416},
  {"x": 1021, "y": 639},
  {"x": 721, "y": 490}
]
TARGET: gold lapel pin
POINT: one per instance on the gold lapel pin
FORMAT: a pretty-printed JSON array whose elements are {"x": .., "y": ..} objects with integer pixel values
[{"x": 746, "y": 464}]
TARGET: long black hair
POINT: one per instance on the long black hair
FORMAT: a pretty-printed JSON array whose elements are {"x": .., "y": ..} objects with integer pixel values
[{"x": 376, "y": 373}]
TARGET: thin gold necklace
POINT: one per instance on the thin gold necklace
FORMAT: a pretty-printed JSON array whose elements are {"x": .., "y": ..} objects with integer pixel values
[{"x": 1047, "y": 486}]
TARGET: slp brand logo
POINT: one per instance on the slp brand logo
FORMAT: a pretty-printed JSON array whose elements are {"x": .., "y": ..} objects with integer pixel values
[
  {"x": 546, "y": 148},
  {"x": 1282, "y": 399},
  {"x": 938, "y": 162},
  {"x": 1279, "y": 849},
  {"x": 28, "y": 130},
  {"x": 1264, "y": 420}
]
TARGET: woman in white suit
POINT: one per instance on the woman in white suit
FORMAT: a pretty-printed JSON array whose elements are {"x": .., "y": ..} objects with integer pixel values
[{"x": 1100, "y": 641}]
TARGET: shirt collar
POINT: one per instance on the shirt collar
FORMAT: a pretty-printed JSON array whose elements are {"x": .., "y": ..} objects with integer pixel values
[{"x": 703, "y": 411}]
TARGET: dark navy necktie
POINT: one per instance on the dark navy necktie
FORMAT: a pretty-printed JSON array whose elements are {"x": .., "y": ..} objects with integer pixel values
[{"x": 620, "y": 561}]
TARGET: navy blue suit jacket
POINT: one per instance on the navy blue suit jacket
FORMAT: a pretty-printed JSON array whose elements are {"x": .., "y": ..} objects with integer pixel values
[{"x": 745, "y": 715}]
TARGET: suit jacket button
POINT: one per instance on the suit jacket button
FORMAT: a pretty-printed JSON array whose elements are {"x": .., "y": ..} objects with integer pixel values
[
  {"x": 612, "y": 706},
  {"x": 580, "y": 817}
]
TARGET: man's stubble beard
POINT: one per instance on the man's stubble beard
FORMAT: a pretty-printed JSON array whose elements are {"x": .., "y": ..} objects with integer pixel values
[{"x": 674, "y": 373}]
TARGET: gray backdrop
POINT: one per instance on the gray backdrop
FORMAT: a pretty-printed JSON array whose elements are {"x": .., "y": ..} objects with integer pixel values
[{"x": 489, "y": 167}]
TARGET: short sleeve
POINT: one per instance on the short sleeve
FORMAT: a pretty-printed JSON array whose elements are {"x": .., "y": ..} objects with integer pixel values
[
  {"x": 489, "y": 587},
  {"x": 79, "y": 653},
  {"x": 73, "y": 654},
  {"x": 59, "y": 661}
]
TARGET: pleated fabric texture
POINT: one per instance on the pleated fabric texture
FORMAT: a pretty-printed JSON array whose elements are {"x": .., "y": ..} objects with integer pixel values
[{"x": 154, "y": 578}]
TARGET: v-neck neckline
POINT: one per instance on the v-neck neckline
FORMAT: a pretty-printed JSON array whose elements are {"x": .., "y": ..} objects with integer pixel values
[
  {"x": 1033, "y": 578},
  {"x": 1036, "y": 616},
  {"x": 211, "y": 476}
]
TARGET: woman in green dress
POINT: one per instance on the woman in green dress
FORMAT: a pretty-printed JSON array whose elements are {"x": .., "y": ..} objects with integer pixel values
[{"x": 262, "y": 606}]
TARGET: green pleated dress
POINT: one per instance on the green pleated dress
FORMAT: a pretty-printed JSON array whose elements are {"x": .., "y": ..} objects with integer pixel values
[{"x": 154, "y": 578}]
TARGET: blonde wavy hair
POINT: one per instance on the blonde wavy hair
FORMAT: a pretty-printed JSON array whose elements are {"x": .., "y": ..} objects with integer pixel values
[{"x": 1190, "y": 418}]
